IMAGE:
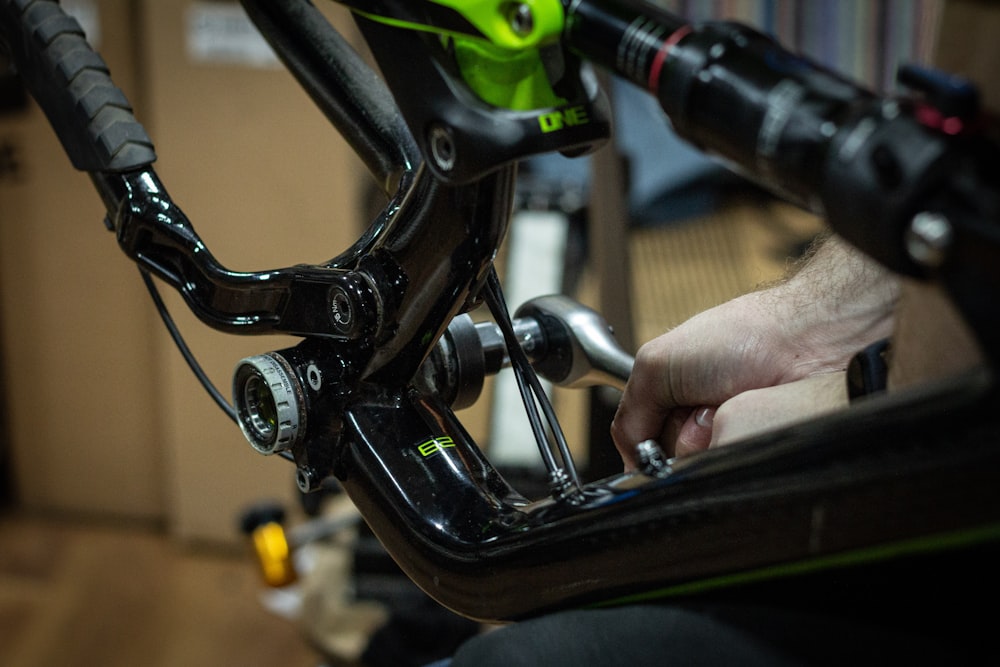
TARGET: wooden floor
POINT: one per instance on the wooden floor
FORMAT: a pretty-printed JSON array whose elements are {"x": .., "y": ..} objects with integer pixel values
[{"x": 75, "y": 594}]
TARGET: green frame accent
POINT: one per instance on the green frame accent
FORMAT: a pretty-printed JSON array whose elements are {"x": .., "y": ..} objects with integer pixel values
[
  {"x": 509, "y": 79},
  {"x": 492, "y": 18},
  {"x": 877, "y": 553},
  {"x": 503, "y": 67}
]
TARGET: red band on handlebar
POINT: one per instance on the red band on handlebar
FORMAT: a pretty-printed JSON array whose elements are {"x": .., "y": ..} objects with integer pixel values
[{"x": 653, "y": 83}]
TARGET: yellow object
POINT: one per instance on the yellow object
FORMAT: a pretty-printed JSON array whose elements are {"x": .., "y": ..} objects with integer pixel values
[{"x": 274, "y": 554}]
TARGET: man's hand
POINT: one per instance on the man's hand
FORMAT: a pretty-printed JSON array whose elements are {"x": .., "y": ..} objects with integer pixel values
[{"x": 762, "y": 360}]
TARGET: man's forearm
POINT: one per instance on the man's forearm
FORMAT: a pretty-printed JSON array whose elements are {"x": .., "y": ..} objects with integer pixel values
[{"x": 837, "y": 300}]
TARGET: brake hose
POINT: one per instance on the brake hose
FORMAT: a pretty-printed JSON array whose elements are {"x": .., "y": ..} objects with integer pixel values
[{"x": 562, "y": 478}]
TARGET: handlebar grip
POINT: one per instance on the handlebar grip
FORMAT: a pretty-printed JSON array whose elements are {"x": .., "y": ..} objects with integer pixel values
[{"x": 71, "y": 83}]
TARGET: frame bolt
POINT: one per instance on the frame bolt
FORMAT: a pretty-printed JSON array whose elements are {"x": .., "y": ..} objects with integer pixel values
[
  {"x": 442, "y": 146},
  {"x": 307, "y": 480},
  {"x": 522, "y": 22},
  {"x": 342, "y": 310}
]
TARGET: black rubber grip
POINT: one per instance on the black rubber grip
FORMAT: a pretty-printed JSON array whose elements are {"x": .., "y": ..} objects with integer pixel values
[{"x": 72, "y": 85}]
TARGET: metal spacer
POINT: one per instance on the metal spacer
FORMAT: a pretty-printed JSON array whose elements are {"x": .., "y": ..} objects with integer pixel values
[{"x": 928, "y": 239}]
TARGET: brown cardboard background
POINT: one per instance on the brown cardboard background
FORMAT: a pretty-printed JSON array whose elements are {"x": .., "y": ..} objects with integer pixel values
[
  {"x": 968, "y": 45},
  {"x": 79, "y": 347},
  {"x": 267, "y": 183},
  {"x": 105, "y": 417}
]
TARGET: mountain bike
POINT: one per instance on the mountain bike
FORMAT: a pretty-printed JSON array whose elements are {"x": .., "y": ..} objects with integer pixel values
[{"x": 464, "y": 92}]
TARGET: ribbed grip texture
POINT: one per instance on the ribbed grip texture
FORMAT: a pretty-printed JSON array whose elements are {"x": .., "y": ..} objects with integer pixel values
[{"x": 72, "y": 84}]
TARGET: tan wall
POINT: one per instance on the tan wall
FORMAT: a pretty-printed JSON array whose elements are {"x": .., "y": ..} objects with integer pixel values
[
  {"x": 968, "y": 45},
  {"x": 79, "y": 346},
  {"x": 267, "y": 183},
  {"x": 105, "y": 416}
]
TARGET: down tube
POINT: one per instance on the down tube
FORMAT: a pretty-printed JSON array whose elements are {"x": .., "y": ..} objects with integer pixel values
[
  {"x": 427, "y": 493},
  {"x": 883, "y": 486},
  {"x": 469, "y": 540}
]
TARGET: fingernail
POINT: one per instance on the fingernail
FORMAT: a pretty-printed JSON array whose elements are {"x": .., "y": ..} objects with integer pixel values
[{"x": 704, "y": 417}]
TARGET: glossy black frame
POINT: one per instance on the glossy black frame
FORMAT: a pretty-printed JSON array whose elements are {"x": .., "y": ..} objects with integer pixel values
[{"x": 859, "y": 487}]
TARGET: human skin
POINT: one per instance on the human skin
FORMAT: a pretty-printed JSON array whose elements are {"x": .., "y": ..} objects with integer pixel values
[{"x": 765, "y": 359}]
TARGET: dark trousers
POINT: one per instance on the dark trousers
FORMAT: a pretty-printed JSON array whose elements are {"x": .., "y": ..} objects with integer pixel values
[{"x": 925, "y": 611}]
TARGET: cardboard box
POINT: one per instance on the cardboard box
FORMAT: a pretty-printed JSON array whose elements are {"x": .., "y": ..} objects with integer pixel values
[
  {"x": 104, "y": 415},
  {"x": 266, "y": 182},
  {"x": 79, "y": 350},
  {"x": 967, "y": 45}
]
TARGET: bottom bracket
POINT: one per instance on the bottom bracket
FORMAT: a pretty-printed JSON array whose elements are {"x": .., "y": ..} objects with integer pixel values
[{"x": 268, "y": 401}]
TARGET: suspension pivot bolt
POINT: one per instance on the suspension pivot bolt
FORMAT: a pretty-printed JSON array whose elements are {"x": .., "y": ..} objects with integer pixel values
[
  {"x": 442, "y": 148},
  {"x": 355, "y": 309},
  {"x": 342, "y": 310},
  {"x": 522, "y": 21}
]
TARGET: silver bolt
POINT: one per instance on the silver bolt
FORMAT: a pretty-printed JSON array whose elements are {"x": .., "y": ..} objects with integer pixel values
[
  {"x": 442, "y": 148},
  {"x": 928, "y": 239},
  {"x": 306, "y": 479},
  {"x": 563, "y": 488},
  {"x": 652, "y": 460},
  {"x": 522, "y": 22},
  {"x": 342, "y": 310},
  {"x": 314, "y": 377}
]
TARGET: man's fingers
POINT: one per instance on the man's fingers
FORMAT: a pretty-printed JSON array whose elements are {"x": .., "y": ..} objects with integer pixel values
[
  {"x": 760, "y": 410},
  {"x": 695, "y": 434},
  {"x": 631, "y": 425}
]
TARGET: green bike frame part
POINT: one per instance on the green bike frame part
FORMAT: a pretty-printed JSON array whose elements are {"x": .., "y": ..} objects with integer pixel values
[
  {"x": 482, "y": 84},
  {"x": 496, "y": 43},
  {"x": 508, "y": 24}
]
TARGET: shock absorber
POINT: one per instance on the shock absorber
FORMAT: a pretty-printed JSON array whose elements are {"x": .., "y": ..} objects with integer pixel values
[
  {"x": 865, "y": 163},
  {"x": 727, "y": 88}
]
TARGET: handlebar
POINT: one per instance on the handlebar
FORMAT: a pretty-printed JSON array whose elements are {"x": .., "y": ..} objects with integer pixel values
[{"x": 72, "y": 84}]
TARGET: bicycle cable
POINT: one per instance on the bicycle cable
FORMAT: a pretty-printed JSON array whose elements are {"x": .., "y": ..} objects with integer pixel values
[
  {"x": 533, "y": 395},
  {"x": 188, "y": 355},
  {"x": 178, "y": 339}
]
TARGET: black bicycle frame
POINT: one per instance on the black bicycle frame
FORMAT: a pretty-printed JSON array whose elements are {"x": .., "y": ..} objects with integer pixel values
[{"x": 802, "y": 496}]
